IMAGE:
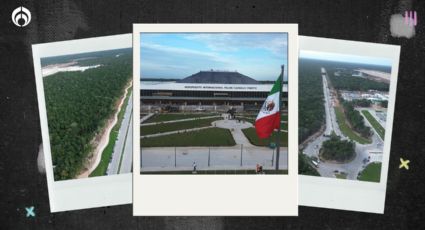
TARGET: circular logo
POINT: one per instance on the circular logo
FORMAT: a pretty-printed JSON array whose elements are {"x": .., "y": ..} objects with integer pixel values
[
  {"x": 268, "y": 106},
  {"x": 21, "y": 16}
]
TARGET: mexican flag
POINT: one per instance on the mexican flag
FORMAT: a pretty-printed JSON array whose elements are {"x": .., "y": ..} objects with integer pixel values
[{"x": 268, "y": 118}]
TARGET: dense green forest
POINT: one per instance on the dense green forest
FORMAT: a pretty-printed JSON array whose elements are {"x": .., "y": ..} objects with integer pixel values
[
  {"x": 357, "y": 83},
  {"x": 361, "y": 102},
  {"x": 311, "y": 107},
  {"x": 347, "y": 82},
  {"x": 337, "y": 150},
  {"x": 304, "y": 167},
  {"x": 356, "y": 120},
  {"x": 85, "y": 59},
  {"x": 78, "y": 106},
  {"x": 333, "y": 65}
]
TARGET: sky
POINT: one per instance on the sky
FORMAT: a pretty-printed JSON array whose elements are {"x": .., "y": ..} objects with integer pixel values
[
  {"x": 179, "y": 55},
  {"x": 345, "y": 58}
]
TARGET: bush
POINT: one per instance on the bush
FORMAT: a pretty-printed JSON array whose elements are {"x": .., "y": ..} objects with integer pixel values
[
  {"x": 362, "y": 103},
  {"x": 304, "y": 167},
  {"x": 336, "y": 149},
  {"x": 356, "y": 120},
  {"x": 384, "y": 104}
]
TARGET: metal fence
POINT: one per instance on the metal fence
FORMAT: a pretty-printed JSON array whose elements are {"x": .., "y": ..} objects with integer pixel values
[{"x": 236, "y": 157}]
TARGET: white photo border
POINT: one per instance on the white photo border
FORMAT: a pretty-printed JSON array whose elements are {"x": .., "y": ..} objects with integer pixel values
[
  {"x": 352, "y": 195},
  {"x": 218, "y": 195},
  {"x": 89, "y": 192}
]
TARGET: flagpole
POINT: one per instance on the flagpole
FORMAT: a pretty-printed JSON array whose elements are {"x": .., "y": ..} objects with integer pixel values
[{"x": 280, "y": 115}]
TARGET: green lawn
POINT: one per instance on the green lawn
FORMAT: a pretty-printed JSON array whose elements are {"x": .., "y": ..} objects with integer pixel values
[
  {"x": 176, "y": 116},
  {"x": 378, "y": 127},
  {"x": 168, "y": 127},
  {"x": 253, "y": 138},
  {"x": 346, "y": 130},
  {"x": 204, "y": 137},
  {"x": 107, "y": 152},
  {"x": 372, "y": 173},
  {"x": 219, "y": 172}
]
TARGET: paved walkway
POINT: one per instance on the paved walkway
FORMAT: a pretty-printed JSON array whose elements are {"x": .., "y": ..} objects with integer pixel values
[
  {"x": 149, "y": 115},
  {"x": 182, "y": 158},
  {"x": 249, "y": 167},
  {"x": 243, "y": 155},
  {"x": 235, "y": 128}
]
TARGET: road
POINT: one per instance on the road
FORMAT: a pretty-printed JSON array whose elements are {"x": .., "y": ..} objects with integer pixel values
[
  {"x": 313, "y": 147},
  {"x": 127, "y": 158},
  {"x": 352, "y": 168},
  {"x": 122, "y": 140}
]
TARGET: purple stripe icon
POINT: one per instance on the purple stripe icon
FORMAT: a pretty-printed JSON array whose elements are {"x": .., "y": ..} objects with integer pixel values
[{"x": 410, "y": 18}]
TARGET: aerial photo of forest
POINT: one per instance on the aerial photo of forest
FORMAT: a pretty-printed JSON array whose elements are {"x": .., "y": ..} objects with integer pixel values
[
  {"x": 81, "y": 93},
  {"x": 356, "y": 101}
]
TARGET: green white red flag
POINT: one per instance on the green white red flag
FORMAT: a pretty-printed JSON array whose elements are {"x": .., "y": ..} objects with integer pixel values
[{"x": 268, "y": 118}]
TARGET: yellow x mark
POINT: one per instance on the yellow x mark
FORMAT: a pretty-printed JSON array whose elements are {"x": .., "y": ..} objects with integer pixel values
[{"x": 404, "y": 163}]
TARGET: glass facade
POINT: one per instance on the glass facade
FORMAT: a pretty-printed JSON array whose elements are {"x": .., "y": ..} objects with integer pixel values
[
  {"x": 144, "y": 94},
  {"x": 193, "y": 97}
]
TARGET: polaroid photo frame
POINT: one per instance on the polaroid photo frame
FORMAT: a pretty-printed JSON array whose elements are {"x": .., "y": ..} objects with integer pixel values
[
  {"x": 357, "y": 193},
  {"x": 88, "y": 192},
  {"x": 217, "y": 195}
]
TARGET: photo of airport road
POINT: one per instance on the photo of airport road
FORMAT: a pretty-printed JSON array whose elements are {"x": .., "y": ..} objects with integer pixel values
[
  {"x": 121, "y": 160},
  {"x": 365, "y": 153}
]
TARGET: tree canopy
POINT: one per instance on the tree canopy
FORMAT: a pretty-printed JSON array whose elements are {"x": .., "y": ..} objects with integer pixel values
[
  {"x": 78, "y": 105},
  {"x": 304, "y": 167},
  {"x": 357, "y": 83},
  {"x": 356, "y": 120},
  {"x": 384, "y": 103},
  {"x": 311, "y": 99},
  {"x": 337, "y": 150},
  {"x": 361, "y": 102}
]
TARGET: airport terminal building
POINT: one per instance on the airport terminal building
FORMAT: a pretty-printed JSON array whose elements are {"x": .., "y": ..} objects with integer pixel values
[{"x": 207, "y": 90}]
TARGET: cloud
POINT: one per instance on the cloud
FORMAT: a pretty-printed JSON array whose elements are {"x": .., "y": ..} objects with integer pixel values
[
  {"x": 274, "y": 42},
  {"x": 183, "y": 52},
  {"x": 180, "y": 55},
  {"x": 175, "y": 62},
  {"x": 349, "y": 58}
]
